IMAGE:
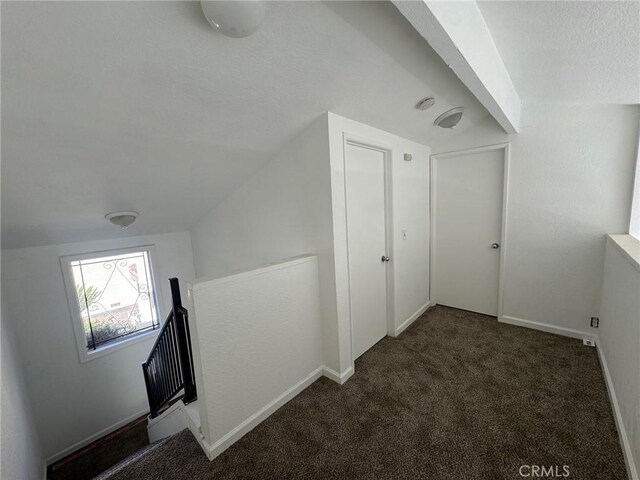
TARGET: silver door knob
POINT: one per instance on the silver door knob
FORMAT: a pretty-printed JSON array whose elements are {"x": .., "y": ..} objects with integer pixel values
[
  {"x": 495, "y": 245},
  {"x": 385, "y": 258}
]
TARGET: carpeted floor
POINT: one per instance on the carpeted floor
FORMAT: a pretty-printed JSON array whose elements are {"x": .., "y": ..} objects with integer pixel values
[{"x": 457, "y": 396}]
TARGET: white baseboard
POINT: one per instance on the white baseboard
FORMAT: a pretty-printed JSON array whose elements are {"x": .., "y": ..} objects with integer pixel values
[
  {"x": 92, "y": 438},
  {"x": 545, "y": 327},
  {"x": 254, "y": 420},
  {"x": 632, "y": 471},
  {"x": 339, "y": 378},
  {"x": 404, "y": 325}
]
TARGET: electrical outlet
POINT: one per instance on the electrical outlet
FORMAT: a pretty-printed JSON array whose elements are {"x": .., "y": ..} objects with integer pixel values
[
  {"x": 588, "y": 342},
  {"x": 595, "y": 321}
]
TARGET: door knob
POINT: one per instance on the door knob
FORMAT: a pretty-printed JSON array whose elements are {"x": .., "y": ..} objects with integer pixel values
[
  {"x": 495, "y": 245},
  {"x": 385, "y": 258}
]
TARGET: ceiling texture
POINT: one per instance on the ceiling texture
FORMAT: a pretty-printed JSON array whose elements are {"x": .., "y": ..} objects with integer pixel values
[
  {"x": 585, "y": 52},
  {"x": 143, "y": 106}
]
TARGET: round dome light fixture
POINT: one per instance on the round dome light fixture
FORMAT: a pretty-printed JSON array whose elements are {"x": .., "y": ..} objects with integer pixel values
[
  {"x": 450, "y": 118},
  {"x": 122, "y": 219},
  {"x": 235, "y": 19}
]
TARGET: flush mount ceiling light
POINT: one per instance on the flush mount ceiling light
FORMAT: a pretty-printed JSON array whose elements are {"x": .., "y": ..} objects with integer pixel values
[
  {"x": 235, "y": 18},
  {"x": 450, "y": 118},
  {"x": 122, "y": 219},
  {"x": 426, "y": 103}
]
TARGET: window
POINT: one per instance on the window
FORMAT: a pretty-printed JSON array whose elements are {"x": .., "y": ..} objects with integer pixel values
[{"x": 112, "y": 298}]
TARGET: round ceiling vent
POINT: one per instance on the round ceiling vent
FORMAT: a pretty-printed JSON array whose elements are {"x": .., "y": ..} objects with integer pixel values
[
  {"x": 426, "y": 103},
  {"x": 450, "y": 118}
]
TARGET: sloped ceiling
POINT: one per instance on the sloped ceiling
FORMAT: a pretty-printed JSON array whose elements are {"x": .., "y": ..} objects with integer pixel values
[
  {"x": 569, "y": 52},
  {"x": 143, "y": 106}
]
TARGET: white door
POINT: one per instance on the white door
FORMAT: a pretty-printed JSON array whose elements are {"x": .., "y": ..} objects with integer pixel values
[
  {"x": 366, "y": 237},
  {"x": 468, "y": 230}
]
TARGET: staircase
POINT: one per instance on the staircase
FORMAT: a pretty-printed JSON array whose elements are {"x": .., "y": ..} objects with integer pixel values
[
  {"x": 117, "y": 470},
  {"x": 168, "y": 372},
  {"x": 169, "y": 376}
]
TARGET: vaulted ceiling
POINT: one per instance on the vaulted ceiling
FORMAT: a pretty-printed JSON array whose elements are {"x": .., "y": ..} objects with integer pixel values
[
  {"x": 143, "y": 106},
  {"x": 569, "y": 52}
]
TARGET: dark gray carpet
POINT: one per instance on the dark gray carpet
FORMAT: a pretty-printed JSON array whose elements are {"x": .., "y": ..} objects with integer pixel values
[{"x": 457, "y": 396}]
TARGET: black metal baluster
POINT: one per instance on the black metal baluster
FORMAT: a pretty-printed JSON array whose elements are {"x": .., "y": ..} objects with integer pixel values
[
  {"x": 163, "y": 371},
  {"x": 154, "y": 372},
  {"x": 175, "y": 380},
  {"x": 169, "y": 359}
]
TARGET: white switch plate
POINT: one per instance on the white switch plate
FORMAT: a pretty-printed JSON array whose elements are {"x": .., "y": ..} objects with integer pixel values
[{"x": 404, "y": 233}]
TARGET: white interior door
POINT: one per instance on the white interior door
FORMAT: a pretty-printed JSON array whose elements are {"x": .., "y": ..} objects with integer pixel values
[
  {"x": 468, "y": 230},
  {"x": 366, "y": 236}
]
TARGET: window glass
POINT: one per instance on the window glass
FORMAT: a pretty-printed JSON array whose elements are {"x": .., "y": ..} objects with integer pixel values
[{"x": 115, "y": 296}]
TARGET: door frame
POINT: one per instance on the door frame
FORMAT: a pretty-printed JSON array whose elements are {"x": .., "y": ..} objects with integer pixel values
[
  {"x": 387, "y": 151},
  {"x": 434, "y": 221}
]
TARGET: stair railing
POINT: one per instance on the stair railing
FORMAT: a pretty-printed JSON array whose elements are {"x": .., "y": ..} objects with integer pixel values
[{"x": 168, "y": 370}]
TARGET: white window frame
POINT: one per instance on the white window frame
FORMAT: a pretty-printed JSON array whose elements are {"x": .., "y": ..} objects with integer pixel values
[{"x": 74, "y": 307}]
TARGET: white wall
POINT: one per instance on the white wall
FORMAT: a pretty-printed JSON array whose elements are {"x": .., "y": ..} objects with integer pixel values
[
  {"x": 410, "y": 211},
  {"x": 281, "y": 212},
  {"x": 570, "y": 183},
  {"x": 257, "y": 338},
  {"x": 634, "y": 224},
  {"x": 74, "y": 402},
  {"x": 410, "y": 205},
  {"x": 21, "y": 455},
  {"x": 288, "y": 209},
  {"x": 619, "y": 339}
]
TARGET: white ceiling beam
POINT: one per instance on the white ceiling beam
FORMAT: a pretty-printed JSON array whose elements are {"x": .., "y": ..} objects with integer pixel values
[{"x": 458, "y": 33}]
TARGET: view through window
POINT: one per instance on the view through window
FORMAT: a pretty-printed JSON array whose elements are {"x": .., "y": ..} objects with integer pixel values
[{"x": 116, "y": 297}]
